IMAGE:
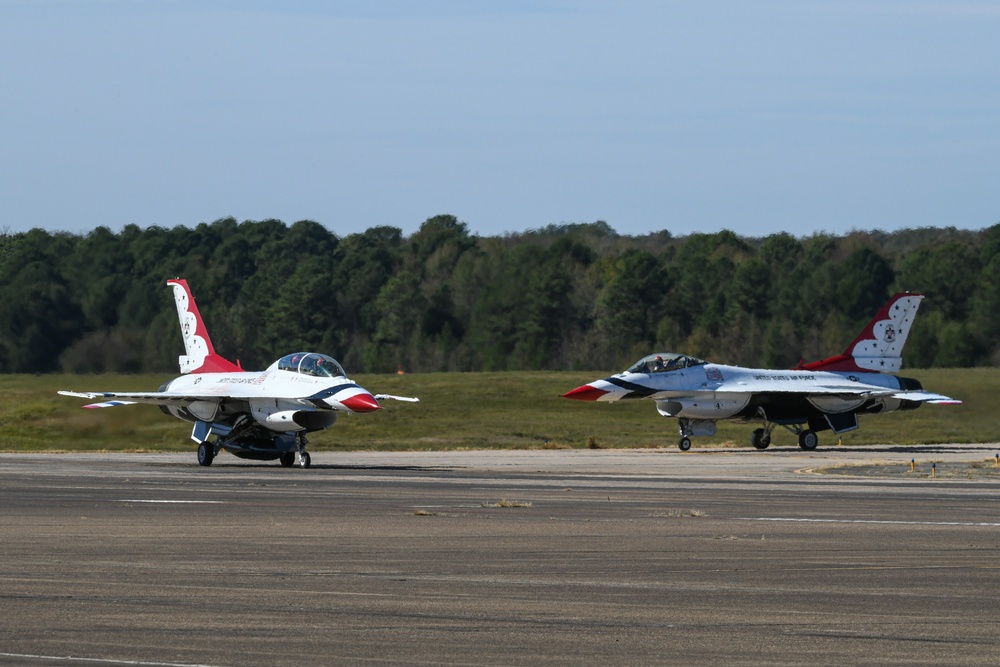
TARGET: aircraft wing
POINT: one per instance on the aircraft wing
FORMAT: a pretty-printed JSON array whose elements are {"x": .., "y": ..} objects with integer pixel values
[
  {"x": 112, "y": 399},
  {"x": 131, "y": 398},
  {"x": 777, "y": 384},
  {"x": 92, "y": 395}
]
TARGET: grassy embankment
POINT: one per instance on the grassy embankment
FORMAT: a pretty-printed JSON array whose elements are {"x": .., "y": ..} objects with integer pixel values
[{"x": 468, "y": 411}]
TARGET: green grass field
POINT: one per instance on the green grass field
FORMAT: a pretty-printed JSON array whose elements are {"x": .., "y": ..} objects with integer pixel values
[{"x": 468, "y": 411}]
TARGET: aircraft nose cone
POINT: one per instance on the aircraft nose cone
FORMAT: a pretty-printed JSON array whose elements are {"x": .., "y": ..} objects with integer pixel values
[
  {"x": 585, "y": 393},
  {"x": 361, "y": 403}
]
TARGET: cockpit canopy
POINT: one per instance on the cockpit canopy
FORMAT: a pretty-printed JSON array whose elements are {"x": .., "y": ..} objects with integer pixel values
[
  {"x": 310, "y": 363},
  {"x": 662, "y": 362}
]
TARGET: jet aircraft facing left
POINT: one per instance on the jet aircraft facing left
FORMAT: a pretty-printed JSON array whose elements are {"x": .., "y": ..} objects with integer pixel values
[
  {"x": 822, "y": 395},
  {"x": 255, "y": 415}
]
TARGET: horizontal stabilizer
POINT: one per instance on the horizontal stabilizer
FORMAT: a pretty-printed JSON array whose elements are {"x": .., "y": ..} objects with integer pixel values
[
  {"x": 109, "y": 404},
  {"x": 926, "y": 397}
]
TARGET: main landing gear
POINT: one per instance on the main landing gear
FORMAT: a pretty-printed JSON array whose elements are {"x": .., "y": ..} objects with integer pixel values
[
  {"x": 206, "y": 453},
  {"x": 808, "y": 440},
  {"x": 246, "y": 440},
  {"x": 761, "y": 438}
]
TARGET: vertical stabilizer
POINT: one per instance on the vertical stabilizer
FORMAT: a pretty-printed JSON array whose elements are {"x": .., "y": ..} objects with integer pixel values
[
  {"x": 879, "y": 347},
  {"x": 201, "y": 356}
]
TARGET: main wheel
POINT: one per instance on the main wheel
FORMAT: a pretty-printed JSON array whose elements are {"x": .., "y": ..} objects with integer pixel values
[
  {"x": 205, "y": 454},
  {"x": 684, "y": 443},
  {"x": 760, "y": 439},
  {"x": 287, "y": 459},
  {"x": 808, "y": 440},
  {"x": 304, "y": 460}
]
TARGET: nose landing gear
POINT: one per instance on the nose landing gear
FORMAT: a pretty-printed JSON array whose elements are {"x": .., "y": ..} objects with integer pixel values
[{"x": 304, "y": 459}]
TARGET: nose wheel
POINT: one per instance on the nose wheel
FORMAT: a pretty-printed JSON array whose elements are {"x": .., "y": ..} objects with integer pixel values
[
  {"x": 684, "y": 428},
  {"x": 304, "y": 459}
]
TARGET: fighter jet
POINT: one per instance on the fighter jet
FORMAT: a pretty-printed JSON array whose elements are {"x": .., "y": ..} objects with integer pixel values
[
  {"x": 818, "y": 396},
  {"x": 255, "y": 415}
]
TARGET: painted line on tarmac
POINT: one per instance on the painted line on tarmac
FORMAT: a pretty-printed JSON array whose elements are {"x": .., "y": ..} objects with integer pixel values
[
  {"x": 106, "y": 661},
  {"x": 875, "y": 521},
  {"x": 169, "y": 502}
]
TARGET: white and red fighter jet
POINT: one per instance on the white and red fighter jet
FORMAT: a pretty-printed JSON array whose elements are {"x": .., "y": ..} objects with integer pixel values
[
  {"x": 822, "y": 395},
  {"x": 255, "y": 415}
]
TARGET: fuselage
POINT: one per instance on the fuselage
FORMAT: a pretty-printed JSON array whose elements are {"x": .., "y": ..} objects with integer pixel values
[
  {"x": 282, "y": 398},
  {"x": 258, "y": 415},
  {"x": 700, "y": 390}
]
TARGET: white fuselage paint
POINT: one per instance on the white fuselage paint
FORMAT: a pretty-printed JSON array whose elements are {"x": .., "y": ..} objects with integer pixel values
[
  {"x": 717, "y": 391},
  {"x": 274, "y": 396}
]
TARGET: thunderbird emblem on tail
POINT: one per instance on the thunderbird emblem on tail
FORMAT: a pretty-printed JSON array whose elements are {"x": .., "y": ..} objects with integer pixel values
[
  {"x": 255, "y": 415},
  {"x": 822, "y": 395}
]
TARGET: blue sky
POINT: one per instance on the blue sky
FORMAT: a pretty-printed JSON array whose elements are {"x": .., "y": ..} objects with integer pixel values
[{"x": 757, "y": 117}]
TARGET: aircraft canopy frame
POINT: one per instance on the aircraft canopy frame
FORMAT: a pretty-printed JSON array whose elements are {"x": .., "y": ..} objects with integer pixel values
[
  {"x": 310, "y": 363},
  {"x": 664, "y": 362}
]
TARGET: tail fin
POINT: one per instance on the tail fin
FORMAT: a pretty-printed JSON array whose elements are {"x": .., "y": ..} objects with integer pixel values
[
  {"x": 879, "y": 347},
  {"x": 201, "y": 356}
]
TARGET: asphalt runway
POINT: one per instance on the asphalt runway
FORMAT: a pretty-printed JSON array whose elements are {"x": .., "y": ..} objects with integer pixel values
[{"x": 601, "y": 557}]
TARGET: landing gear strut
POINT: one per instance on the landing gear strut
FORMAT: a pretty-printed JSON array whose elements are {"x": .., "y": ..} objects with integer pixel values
[
  {"x": 304, "y": 460},
  {"x": 761, "y": 438},
  {"x": 684, "y": 426}
]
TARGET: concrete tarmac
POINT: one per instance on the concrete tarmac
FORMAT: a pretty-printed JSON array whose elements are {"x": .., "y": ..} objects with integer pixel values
[{"x": 600, "y": 557}]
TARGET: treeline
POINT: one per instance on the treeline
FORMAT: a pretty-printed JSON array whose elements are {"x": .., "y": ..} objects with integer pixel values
[{"x": 576, "y": 296}]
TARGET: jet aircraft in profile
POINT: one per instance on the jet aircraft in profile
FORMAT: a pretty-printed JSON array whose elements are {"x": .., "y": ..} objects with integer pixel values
[
  {"x": 818, "y": 396},
  {"x": 255, "y": 415}
]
